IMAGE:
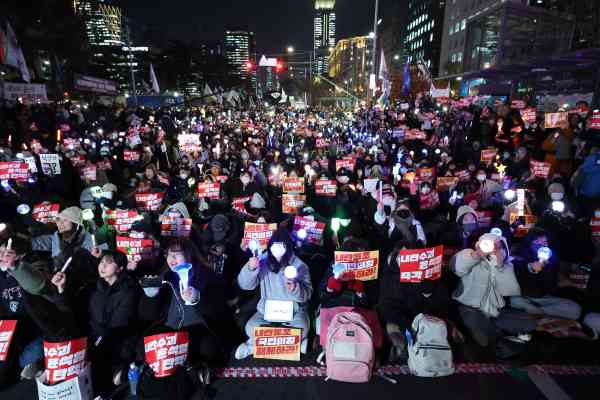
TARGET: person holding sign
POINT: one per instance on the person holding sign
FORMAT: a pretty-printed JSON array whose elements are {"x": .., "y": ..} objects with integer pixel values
[
  {"x": 283, "y": 298},
  {"x": 486, "y": 277},
  {"x": 399, "y": 225}
]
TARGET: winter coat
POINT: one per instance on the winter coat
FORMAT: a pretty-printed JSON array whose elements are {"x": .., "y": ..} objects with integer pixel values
[{"x": 544, "y": 283}]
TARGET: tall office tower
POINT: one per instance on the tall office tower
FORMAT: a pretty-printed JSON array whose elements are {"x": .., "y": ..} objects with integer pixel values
[
  {"x": 240, "y": 47},
  {"x": 323, "y": 34},
  {"x": 103, "y": 22},
  {"x": 424, "y": 32}
]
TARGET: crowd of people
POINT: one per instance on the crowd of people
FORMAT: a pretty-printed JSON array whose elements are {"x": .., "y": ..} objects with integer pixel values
[{"x": 515, "y": 205}]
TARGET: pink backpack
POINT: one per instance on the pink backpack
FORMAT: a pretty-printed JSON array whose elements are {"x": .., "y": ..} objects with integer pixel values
[{"x": 350, "y": 353}]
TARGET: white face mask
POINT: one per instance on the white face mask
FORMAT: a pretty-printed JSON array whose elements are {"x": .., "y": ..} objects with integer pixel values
[
  {"x": 426, "y": 190},
  {"x": 183, "y": 176},
  {"x": 343, "y": 179},
  {"x": 557, "y": 196},
  {"x": 389, "y": 201},
  {"x": 278, "y": 250},
  {"x": 481, "y": 178},
  {"x": 245, "y": 180}
]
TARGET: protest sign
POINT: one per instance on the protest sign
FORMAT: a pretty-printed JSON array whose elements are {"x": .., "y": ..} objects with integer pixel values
[
  {"x": 135, "y": 249},
  {"x": 7, "y": 330},
  {"x": 539, "y": 169},
  {"x": 518, "y": 104},
  {"x": 277, "y": 343},
  {"x": 346, "y": 162},
  {"x": 175, "y": 227},
  {"x": 45, "y": 212},
  {"x": 260, "y": 232},
  {"x": 292, "y": 203},
  {"x": 314, "y": 229},
  {"x": 421, "y": 264},
  {"x": 555, "y": 120},
  {"x": 595, "y": 123},
  {"x": 488, "y": 155},
  {"x": 444, "y": 183},
  {"x": 64, "y": 360},
  {"x": 165, "y": 352},
  {"x": 210, "y": 190},
  {"x": 529, "y": 115},
  {"x": 121, "y": 220},
  {"x": 361, "y": 265},
  {"x": 293, "y": 185},
  {"x": 425, "y": 174},
  {"x": 239, "y": 204},
  {"x": 321, "y": 143},
  {"x": 326, "y": 187},
  {"x": 149, "y": 201},
  {"x": 31, "y": 164},
  {"x": 595, "y": 228},
  {"x": 522, "y": 230},
  {"x": 50, "y": 164},
  {"x": 131, "y": 155},
  {"x": 189, "y": 143},
  {"x": 16, "y": 170},
  {"x": 89, "y": 173}
]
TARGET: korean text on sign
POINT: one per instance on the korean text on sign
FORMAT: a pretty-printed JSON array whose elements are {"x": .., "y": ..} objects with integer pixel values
[
  {"x": 291, "y": 203},
  {"x": 259, "y": 232},
  {"x": 165, "y": 352},
  {"x": 277, "y": 343},
  {"x": 314, "y": 229},
  {"x": 210, "y": 190},
  {"x": 149, "y": 201},
  {"x": 14, "y": 170},
  {"x": 361, "y": 265},
  {"x": 175, "y": 227},
  {"x": 45, "y": 212},
  {"x": 293, "y": 185},
  {"x": 326, "y": 187},
  {"x": 7, "y": 330},
  {"x": 64, "y": 360},
  {"x": 421, "y": 264},
  {"x": 135, "y": 249}
]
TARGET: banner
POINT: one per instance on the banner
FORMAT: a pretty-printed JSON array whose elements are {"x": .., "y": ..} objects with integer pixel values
[
  {"x": 165, "y": 352},
  {"x": 149, "y": 201},
  {"x": 277, "y": 343},
  {"x": 314, "y": 229},
  {"x": 398, "y": 133},
  {"x": 326, "y": 187},
  {"x": 135, "y": 249},
  {"x": 121, "y": 220},
  {"x": 64, "y": 360},
  {"x": 554, "y": 120},
  {"x": 28, "y": 92},
  {"x": 131, "y": 155},
  {"x": 540, "y": 169},
  {"x": 361, "y": 265},
  {"x": 7, "y": 330},
  {"x": 45, "y": 212},
  {"x": 346, "y": 162},
  {"x": 90, "y": 84},
  {"x": 529, "y": 115},
  {"x": 16, "y": 170},
  {"x": 50, "y": 164},
  {"x": 175, "y": 227},
  {"x": 444, "y": 183},
  {"x": 292, "y": 203},
  {"x": 293, "y": 185},
  {"x": 421, "y": 264},
  {"x": 488, "y": 155},
  {"x": 260, "y": 232},
  {"x": 210, "y": 190}
]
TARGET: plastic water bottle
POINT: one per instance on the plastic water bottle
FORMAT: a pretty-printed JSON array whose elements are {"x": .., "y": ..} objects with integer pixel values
[{"x": 133, "y": 376}]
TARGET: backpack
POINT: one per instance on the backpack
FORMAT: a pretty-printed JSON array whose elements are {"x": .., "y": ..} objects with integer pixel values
[
  {"x": 430, "y": 355},
  {"x": 350, "y": 352}
]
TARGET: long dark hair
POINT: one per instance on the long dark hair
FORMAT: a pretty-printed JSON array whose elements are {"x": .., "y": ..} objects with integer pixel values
[
  {"x": 283, "y": 236},
  {"x": 188, "y": 248}
]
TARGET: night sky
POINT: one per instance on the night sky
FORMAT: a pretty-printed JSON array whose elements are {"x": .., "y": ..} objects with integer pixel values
[{"x": 276, "y": 23}]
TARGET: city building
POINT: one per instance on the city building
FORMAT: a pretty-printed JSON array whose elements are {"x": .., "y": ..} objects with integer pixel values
[
  {"x": 103, "y": 22},
  {"x": 240, "y": 48},
  {"x": 323, "y": 34},
  {"x": 390, "y": 39},
  {"x": 349, "y": 64},
  {"x": 423, "y": 38}
]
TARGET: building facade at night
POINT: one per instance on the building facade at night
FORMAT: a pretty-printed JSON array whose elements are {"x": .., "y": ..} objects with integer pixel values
[
  {"x": 240, "y": 48},
  {"x": 103, "y": 22},
  {"x": 349, "y": 64},
  {"x": 423, "y": 38},
  {"x": 323, "y": 34}
]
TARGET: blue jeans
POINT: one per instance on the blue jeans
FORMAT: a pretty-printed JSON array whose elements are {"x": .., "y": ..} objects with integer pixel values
[{"x": 33, "y": 352}]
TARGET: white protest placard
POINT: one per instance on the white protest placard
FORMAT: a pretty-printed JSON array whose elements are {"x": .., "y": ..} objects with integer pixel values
[{"x": 279, "y": 310}]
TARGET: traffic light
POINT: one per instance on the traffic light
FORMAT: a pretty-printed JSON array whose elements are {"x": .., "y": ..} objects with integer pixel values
[
  {"x": 279, "y": 67},
  {"x": 249, "y": 66}
]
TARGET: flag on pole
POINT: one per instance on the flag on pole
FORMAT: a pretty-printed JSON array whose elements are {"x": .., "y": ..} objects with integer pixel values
[
  {"x": 284, "y": 97},
  {"x": 406, "y": 82},
  {"x": 14, "y": 54},
  {"x": 208, "y": 93},
  {"x": 153, "y": 80},
  {"x": 385, "y": 78}
]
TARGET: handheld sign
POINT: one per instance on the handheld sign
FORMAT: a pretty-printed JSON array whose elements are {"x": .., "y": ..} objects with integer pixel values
[
  {"x": 292, "y": 203},
  {"x": 165, "y": 352},
  {"x": 64, "y": 360},
  {"x": 361, "y": 265},
  {"x": 420, "y": 264},
  {"x": 7, "y": 330},
  {"x": 259, "y": 233},
  {"x": 277, "y": 343}
]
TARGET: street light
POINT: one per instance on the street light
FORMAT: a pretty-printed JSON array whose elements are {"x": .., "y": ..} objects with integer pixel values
[
  {"x": 290, "y": 49},
  {"x": 371, "y": 35},
  {"x": 396, "y": 57}
]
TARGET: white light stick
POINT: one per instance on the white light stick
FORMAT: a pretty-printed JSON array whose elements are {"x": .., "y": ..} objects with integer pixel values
[
  {"x": 253, "y": 246},
  {"x": 290, "y": 272},
  {"x": 9, "y": 244},
  {"x": 64, "y": 268},
  {"x": 544, "y": 254},
  {"x": 302, "y": 234},
  {"x": 487, "y": 246},
  {"x": 93, "y": 240}
]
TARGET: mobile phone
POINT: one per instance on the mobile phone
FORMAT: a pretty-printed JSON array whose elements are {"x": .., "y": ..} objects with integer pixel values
[{"x": 151, "y": 282}]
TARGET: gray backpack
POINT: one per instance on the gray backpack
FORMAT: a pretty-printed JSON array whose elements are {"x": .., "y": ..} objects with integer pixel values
[{"x": 430, "y": 355}]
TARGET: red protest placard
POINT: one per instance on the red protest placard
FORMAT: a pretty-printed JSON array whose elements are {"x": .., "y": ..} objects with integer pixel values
[
  {"x": 149, "y": 201},
  {"x": 292, "y": 203},
  {"x": 326, "y": 187},
  {"x": 16, "y": 170},
  {"x": 529, "y": 115},
  {"x": 163, "y": 178},
  {"x": 346, "y": 162},
  {"x": 260, "y": 232},
  {"x": 314, "y": 229},
  {"x": 414, "y": 134},
  {"x": 135, "y": 249},
  {"x": 175, "y": 227},
  {"x": 210, "y": 190},
  {"x": 64, "y": 360},
  {"x": 518, "y": 104},
  {"x": 595, "y": 227},
  {"x": 421, "y": 264},
  {"x": 71, "y": 143},
  {"x": 444, "y": 183},
  {"x": 426, "y": 174},
  {"x": 189, "y": 143},
  {"x": 131, "y": 155},
  {"x": 222, "y": 179},
  {"x": 7, "y": 329},
  {"x": 121, "y": 220},
  {"x": 165, "y": 352},
  {"x": 595, "y": 123},
  {"x": 45, "y": 212},
  {"x": 539, "y": 169},
  {"x": 488, "y": 155},
  {"x": 238, "y": 204},
  {"x": 293, "y": 185},
  {"x": 277, "y": 343},
  {"x": 89, "y": 173},
  {"x": 361, "y": 265}
]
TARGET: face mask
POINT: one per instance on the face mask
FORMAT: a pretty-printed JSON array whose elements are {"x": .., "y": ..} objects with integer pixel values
[
  {"x": 183, "y": 176},
  {"x": 343, "y": 179},
  {"x": 388, "y": 201},
  {"x": 403, "y": 214},
  {"x": 278, "y": 250},
  {"x": 245, "y": 180},
  {"x": 557, "y": 196},
  {"x": 425, "y": 190},
  {"x": 481, "y": 178}
]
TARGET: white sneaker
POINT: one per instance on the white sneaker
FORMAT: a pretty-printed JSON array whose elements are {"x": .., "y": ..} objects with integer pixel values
[
  {"x": 243, "y": 351},
  {"x": 303, "y": 346},
  {"x": 29, "y": 371}
]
